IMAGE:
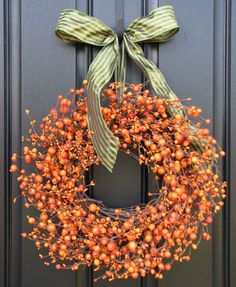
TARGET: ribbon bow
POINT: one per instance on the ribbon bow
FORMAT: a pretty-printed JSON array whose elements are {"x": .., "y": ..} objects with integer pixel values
[{"x": 158, "y": 26}]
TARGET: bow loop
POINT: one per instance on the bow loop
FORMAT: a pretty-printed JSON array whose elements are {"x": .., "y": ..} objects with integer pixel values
[
  {"x": 158, "y": 26},
  {"x": 75, "y": 26}
]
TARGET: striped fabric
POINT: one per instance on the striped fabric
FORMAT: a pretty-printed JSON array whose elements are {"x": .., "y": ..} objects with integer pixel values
[{"x": 158, "y": 26}]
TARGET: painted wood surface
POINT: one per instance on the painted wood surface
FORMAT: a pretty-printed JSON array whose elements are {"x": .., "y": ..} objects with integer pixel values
[{"x": 35, "y": 66}]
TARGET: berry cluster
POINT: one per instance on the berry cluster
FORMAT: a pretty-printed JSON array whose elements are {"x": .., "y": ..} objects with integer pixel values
[{"x": 73, "y": 229}]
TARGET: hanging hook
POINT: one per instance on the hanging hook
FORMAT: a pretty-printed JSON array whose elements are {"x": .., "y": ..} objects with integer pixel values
[{"x": 119, "y": 15}]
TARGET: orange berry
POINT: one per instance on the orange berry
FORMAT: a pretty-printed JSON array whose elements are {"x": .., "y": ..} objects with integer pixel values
[
  {"x": 178, "y": 117},
  {"x": 132, "y": 246},
  {"x": 96, "y": 262},
  {"x": 194, "y": 159},
  {"x": 167, "y": 254},
  {"x": 161, "y": 266},
  {"x": 193, "y": 236},
  {"x": 28, "y": 159},
  {"x": 52, "y": 150},
  {"x": 93, "y": 207},
  {"x": 161, "y": 170},
  {"x": 162, "y": 142},
  {"x": 179, "y": 154},
  {"x": 168, "y": 267},
  {"x": 152, "y": 227},
  {"x": 177, "y": 233},
  {"x": 148, "y": 238},
  {"x": 136, "y": 88},
  {"x": 38, "y": 179},
  {"x": 222, "y": 153},
  {"x": 157, "y": 157},
  {"x": 13, "y": 168},
  {"x": 31, "y": 220},
  {"x": 134, "y": 275},
  {"x": 153, "y": 147},
  {"x": 43, "y": 216},
  {"x": 51, "y": 228},
  {"x": 127, "y": 225},
  {"x": 148, "y": 143},
  {"x": 111, "y": 246},
  {"x": 179, "y": 137},
  {"x": 131, "y": 269},
  {"x": 209, "y": 219}
]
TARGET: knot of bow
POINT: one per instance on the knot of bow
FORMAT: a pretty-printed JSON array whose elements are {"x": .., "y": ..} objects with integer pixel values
[{"x": 158, "y": 26}]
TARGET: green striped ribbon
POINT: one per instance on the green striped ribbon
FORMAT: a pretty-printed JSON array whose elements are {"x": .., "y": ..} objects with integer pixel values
[{"x": 158, "y": 26}]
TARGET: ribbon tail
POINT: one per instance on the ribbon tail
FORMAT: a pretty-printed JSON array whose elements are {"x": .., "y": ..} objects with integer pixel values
[
  {"x": 75, "y": 26},
  {"x": 151, "y": 71},
  {"x": 100, "y": 72},
  {"x": 157, "y": 80},
  {"x": 120, "y": 71}
]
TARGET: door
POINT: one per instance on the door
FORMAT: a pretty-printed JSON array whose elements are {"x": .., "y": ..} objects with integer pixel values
[{"x": 35, "y": 67}]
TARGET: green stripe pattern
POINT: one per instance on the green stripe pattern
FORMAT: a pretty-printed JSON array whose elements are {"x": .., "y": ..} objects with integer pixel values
[
  {"x": 75, "y": 26},
  {"x": 159, "y": 26}
]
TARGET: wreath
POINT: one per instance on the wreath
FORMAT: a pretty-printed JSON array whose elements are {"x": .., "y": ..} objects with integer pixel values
[{"x": 71, "y": 229}]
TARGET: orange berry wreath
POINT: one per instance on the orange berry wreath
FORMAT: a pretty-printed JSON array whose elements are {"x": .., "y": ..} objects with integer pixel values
[{"x": 74, "y": 229}]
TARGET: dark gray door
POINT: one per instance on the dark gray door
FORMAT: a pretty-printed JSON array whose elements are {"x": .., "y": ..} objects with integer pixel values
[{"x": 35, "y": 66}]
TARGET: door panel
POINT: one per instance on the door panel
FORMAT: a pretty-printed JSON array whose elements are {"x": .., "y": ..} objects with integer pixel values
[
  {"x": 2, "y": 144},
  {"x": 35, "y": 67},
  {"x": 47, "y": 70},
  {"x": 187, "y": 62}
]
